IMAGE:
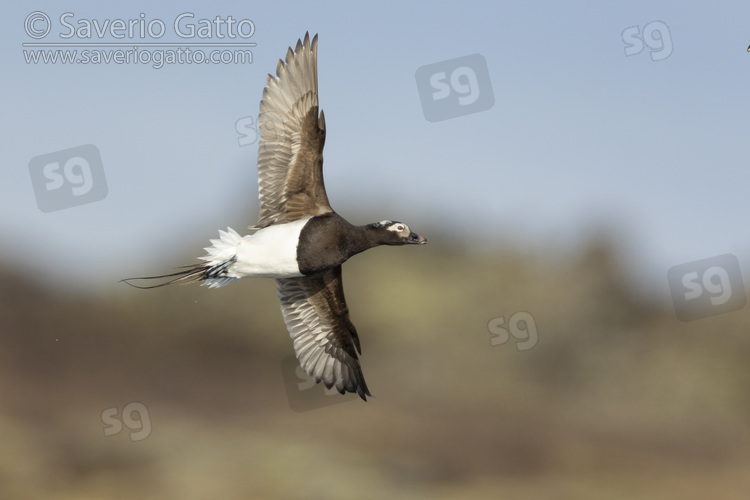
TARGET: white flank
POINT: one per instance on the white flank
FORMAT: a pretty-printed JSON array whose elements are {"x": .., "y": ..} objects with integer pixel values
[{"x": 270, "y": 252}]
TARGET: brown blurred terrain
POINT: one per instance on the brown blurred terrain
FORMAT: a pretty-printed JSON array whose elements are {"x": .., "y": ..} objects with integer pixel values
[{"x": 617, "y": 400}]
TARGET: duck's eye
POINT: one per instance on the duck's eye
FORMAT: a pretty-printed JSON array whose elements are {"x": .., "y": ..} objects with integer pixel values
[{"x": 400, "y": 227}]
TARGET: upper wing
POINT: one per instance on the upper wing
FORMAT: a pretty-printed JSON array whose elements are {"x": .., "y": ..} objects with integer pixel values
[
  {"x": 325, "y": 340},
  {"x": 290, "y": 154}
]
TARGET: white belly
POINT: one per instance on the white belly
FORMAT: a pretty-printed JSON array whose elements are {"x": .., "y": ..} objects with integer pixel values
[{"x": 269, "y": 253}]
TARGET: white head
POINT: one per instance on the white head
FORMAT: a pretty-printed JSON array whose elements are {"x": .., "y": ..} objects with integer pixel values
[{"x": 397, "y": 233}]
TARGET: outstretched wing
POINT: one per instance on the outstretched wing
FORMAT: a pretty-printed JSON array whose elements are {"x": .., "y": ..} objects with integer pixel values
[
  {"x": 325, "y": 340},
  {"x": 292, "y": 135}
]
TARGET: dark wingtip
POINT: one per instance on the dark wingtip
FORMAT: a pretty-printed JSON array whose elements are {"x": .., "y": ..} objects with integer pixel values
[
  {"x": 362, "y": 388},
  {"x": 362, "y": 394}
]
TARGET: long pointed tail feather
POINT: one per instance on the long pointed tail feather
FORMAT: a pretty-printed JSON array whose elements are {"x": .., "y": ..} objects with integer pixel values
[
  {"x": 192, "y": 274},
  {"x": 214, "y": 272}
]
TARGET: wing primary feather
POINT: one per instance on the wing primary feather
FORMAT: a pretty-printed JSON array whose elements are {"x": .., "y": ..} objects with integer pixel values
[
  {"x": 325, "y": 340},
  {"x": 292, "y": 136}
]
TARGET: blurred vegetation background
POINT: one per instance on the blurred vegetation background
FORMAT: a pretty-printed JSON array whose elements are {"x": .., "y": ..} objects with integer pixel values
[{"x": 618, "y": 399}]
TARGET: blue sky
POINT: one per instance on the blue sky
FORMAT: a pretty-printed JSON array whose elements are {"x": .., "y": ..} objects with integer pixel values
[{"x": 580, "y": 138}]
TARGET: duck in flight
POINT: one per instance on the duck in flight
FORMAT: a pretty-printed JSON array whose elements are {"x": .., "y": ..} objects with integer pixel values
[{"x": 299, "y": 240}]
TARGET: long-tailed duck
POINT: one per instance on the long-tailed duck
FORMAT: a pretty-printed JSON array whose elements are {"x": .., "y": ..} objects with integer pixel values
[{"x": 299, "y": 240}]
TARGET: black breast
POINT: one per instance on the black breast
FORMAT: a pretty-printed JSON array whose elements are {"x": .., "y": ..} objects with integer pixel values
[{"x": 325, "y": 242}]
